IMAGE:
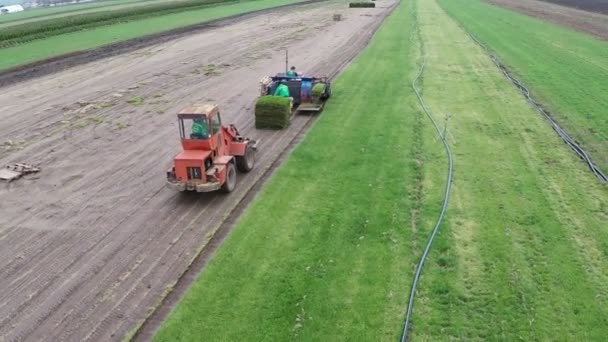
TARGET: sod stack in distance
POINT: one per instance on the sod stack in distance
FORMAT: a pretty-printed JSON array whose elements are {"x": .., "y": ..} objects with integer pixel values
[
  {"x": 272, "y": 112},
  {"x": 362, "y": 5}
]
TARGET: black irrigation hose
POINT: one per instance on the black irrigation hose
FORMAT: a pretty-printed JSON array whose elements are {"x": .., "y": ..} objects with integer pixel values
[
  {"x": 539, "y": 108},
  {"x": 448, "y": 186}
]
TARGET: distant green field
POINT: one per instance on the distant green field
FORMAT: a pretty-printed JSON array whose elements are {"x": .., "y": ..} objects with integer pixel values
[
  {"x": 46, "y": 28},
  {"x": 34, "y": 13},
  {"x": 325, "y": 251},
  {"x": 92, "y": 38},
  {"x": 42, "y": 13},
  {"x": 566, "y": 70}
]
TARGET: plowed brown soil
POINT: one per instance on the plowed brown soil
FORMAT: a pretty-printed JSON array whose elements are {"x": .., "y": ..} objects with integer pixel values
[
  {"x": 593, "y": 23},
  {"x": 598, "y": 6},
  {"x": 90, "y": 245}
]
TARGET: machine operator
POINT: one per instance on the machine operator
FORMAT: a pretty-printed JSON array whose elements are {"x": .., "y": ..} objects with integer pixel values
[
  {"x": 200, "y": 129},
  {"x": 292, "y": 72}
]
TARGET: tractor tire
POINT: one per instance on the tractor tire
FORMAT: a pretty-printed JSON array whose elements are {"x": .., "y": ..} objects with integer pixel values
[
  {"x": 247, "y": 162},
  {"x": 327, "y": 93},
  {"x": 230, "y": 182}
]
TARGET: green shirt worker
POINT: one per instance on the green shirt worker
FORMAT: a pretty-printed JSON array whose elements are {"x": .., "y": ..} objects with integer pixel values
[
  {"x": 282, "y": 90},
  {"x": 200, "y": 129},
  {"x": 292, "y": 72}
]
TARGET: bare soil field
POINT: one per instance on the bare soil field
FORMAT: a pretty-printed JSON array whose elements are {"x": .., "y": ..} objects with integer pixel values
[
  {"x": 599, "y": 6},
  {"x": 580, "y": 20},
  {"x": 90, "y": 245}
]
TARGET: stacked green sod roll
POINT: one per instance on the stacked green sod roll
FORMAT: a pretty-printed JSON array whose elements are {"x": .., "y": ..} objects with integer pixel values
[
  {"x": 361, "y": 4},
  {"x": 318, "y": 89},
  {"x": 272, "y": 112}
]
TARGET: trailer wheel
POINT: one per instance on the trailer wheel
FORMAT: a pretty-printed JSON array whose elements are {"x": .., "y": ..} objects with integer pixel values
[
  {"x": 230, "y": 182},
  {"x": 246, "y": 162},
  {"x": 327, "y": 91}
]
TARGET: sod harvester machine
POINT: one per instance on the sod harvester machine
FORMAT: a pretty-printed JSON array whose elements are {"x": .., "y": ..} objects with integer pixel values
[
  {"x": 211, "y": 152},
  {"x": 306, "y": 94}
]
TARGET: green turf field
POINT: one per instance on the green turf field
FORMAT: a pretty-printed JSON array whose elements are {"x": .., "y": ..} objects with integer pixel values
[{"x": 566, "y": 70}]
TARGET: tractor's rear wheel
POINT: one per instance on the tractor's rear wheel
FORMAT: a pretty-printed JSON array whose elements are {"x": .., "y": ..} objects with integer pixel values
[
  {"x": 246, "y": 162},
  {"x": 230, "y": 182}
]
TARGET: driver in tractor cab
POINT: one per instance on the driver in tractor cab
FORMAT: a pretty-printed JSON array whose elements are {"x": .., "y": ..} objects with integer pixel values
[
  {"x": 292, "y": 72},
  {"x": 200, "y": 129}
]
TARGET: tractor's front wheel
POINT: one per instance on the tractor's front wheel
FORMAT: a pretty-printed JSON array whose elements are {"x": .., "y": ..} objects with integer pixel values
[
  {"x": 230, "y": 182},
  {"x": 246, "y": 162}
]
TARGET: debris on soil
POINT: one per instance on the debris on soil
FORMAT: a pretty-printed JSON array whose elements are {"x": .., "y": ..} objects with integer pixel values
[
  {"x": 136, "y": 101},
  {"x": 16, "y": 171},
  {"x": 122, "y": 125},
  {"x": 97, "y": 120},
  {"x": 88, "y": 108},
  {"x": 80, "y": 190},
  {"x": 208, "y": 70}
]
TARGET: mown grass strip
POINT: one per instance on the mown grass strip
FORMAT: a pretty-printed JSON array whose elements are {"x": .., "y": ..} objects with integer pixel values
[
  {"x": 524, "y": 250},
  {"x": 92, "y": 38},
  {"x": 18, "y": 34},
  {"x": 325, "y": 252},
  {"x": 564, "y": 69}
]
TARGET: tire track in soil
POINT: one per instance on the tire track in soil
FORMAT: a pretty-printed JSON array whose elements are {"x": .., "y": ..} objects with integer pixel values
[{"x": 90, "y": 245}]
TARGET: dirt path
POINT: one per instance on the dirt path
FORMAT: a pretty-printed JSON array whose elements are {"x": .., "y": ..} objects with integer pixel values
[
  {"x": 89, "y": 245},
  {"x": 592, "y": 23}
]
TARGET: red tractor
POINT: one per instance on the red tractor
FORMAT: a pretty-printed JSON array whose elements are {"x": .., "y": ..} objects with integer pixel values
[{"x": 211, "y": 152}]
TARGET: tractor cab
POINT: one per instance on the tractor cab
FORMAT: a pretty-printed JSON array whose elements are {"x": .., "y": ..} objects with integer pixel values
[{"x": 198, "y": 127}]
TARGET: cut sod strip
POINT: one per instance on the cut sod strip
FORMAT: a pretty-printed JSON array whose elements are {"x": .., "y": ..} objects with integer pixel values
[
  {"x": 523, "y": 253},
  {"x": 327, "y": 250}
]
